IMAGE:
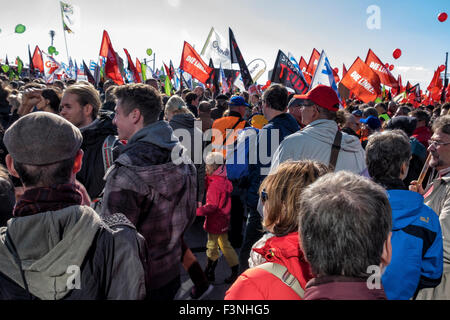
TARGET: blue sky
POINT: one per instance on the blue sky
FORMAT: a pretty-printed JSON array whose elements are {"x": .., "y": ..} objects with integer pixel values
[{"x": 261, "y": 29}]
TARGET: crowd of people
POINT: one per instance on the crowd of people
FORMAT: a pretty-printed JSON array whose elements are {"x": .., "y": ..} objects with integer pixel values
[{"x": 305, "y": 198}]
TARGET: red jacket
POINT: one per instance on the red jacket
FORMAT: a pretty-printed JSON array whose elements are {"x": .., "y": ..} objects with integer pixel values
[
  {"x": 259, "y": 284},
  {"x": 423, "y": 134},
  {"x": 218, "y": 202}
]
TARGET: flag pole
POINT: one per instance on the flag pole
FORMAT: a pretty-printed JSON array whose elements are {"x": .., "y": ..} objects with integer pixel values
[
  {"x": 64, "y": 31},
  {"x": 445, "y": 78}
]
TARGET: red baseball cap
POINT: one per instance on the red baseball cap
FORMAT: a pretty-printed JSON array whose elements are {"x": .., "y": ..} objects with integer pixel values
[{"x": 323, "y": 96}]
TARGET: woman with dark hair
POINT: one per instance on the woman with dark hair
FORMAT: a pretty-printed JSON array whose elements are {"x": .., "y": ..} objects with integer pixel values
[{"x": 50, "y": 100}]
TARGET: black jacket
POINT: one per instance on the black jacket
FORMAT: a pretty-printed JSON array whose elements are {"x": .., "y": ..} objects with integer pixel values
[{"x": 92, "y": 171}]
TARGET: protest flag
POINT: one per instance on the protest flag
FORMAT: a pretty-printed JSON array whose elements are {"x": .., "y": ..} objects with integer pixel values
[
  {"x": 378, "y": 66},
  {"x": 324, "y": 74},
  {"x": 312, "y": 64},
  {"x": 236, "y": 57},
  {"x": 285, "y": 73},
  {"x": 88, "y": 74},
  {"x": 362, "y": 81},
  {"x": 111, "y": 66},
  {"x": 30, "y": 62},
  {"x": 132, "y": 68},
  {"x": 344, "y": 71},
  {"x": 303, "y": 68},
  {"x": 192, "y": 63},
  {"x": 37, "y": 60}
]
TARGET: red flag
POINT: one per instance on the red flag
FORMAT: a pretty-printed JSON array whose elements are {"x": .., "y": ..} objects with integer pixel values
[
  {"x": 38, "y": 62},
  {"x": 303, "y": 66},
  {"x": 313, "y": 61},
  {"x": 336, "y": 76},
  {"x": 193, "y": 64},
  {"x": 384, "y": 74},
  {"x": 362, "y": 81},
  {"x": 408, "y": 87},
  {"x": 138, "y": 66},
  {"x": 400, "y": 84},
  {"x": 136, "y": 75},
  {"x": 111, "y": 65},
  {"x": 344, "y": 71},
  {"x": 436, "y": 82},
  {"x": 168, "y": 71}
]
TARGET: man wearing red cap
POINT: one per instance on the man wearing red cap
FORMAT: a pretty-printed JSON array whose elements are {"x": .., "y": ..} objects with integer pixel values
[{"x": 321, "y": 135}]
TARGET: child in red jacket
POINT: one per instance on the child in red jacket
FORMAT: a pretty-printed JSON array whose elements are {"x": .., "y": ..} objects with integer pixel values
[{"x": 217, "y": 216}]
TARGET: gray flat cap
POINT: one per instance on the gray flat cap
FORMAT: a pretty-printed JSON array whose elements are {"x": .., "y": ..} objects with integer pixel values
[{"x": 41, "y": 138}]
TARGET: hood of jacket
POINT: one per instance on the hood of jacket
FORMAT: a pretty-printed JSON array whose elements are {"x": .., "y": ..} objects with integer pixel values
[
  {"x": 52, "y": 247},
  {"x": 325, "y": 131},
  {"x": 285, "y": 122},
  {"x": 158, "y": 133},
  {"x": 219, "y": 178},
  {"x": 185, "y": 120},
  {"x": 286, "y": 251},
  {"x": 99, "y": 128},
  {"x": 406, "y": 205}
]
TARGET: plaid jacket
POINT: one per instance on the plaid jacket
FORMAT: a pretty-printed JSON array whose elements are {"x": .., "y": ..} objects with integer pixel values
[{"x": 159, "y": 198}]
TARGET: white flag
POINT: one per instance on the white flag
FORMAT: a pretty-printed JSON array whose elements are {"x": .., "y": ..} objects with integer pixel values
[
  {"x": 70, "y": 16},
  {"x": 216, "y": 48},
  {"x": 324, "y": 74}
]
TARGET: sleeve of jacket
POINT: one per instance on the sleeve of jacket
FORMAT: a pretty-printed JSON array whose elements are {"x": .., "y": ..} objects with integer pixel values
[
  {"x": 124, "y": 193},
  {"x": 433, "y": 262},
  {"x": 128, "y": 280},
  {"x": 212, "y": 200},
  {"x": 444, "y": 219}
]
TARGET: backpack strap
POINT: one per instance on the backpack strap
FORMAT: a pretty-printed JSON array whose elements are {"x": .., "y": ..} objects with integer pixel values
[
  {"x": 232, "y": 130},
  {"x": 282, "y": 273},
  {"x": 335, "y": 149},
  {"x": 107, "y": 151}
]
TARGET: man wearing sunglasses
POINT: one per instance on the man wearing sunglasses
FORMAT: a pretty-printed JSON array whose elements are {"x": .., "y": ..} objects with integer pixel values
[
  {"x": 321, "y": 135},
  {"x": 437, "y": 196}
]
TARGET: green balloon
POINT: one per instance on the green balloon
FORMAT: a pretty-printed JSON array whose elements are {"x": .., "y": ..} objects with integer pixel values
[
  {"x": 51, "y": 49},
  {"x": 149, "y": 51},
  {"x": 56, "y": 53},
  {"x": 20, "y": 28}
]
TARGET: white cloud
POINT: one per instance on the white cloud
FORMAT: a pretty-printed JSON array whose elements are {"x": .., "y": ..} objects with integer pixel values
[{"x": 174, "y": 3}]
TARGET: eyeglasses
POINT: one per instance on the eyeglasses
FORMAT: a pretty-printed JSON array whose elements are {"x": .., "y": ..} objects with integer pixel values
[
  {"x": 437, "y": 143},
  {"x": 264, "y": 196}
]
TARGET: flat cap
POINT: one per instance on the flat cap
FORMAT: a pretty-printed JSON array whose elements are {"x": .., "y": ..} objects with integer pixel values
[{"x": 41, "y": 138}]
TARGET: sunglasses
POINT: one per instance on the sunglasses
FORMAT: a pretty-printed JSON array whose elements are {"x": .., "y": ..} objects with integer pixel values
[{"x": 264, "y": 196}]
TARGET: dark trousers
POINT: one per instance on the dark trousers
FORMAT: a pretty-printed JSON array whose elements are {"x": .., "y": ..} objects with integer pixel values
[
  {"x": 235, "y": 233},
  {"x": 253, "y": 232},
  {"x": 167, "y": 292}
]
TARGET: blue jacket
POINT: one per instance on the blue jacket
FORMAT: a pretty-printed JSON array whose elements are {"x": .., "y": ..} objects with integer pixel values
[
  {"x": 286, "y": 125},
  {"x": 417, "y": 254}
]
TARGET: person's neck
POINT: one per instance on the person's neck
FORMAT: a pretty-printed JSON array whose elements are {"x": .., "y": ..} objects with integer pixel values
[
  {"x": 87, "y": 122},
  {"x": 272, "y": 114}
]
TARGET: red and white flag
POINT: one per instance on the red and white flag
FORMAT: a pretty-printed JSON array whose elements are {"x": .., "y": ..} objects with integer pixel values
[
  {"x": 192, "y": 63},
  {"x": 362, "y": 81},
  {"x": 383, "y": 73}
]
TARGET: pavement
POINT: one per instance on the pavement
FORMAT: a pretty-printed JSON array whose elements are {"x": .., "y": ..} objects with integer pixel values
[{"x": 195, "y": 239}]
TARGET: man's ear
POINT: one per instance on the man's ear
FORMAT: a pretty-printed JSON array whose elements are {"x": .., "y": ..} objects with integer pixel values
[
  {"x": 387, "y": 251},
  {"x": 88, "y": 109},
  {"x": 10, "y": 166},
  {"x": 78, "y": 162}
]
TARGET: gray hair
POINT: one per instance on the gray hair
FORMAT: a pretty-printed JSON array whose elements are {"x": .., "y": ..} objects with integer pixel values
[
  {"x": 442, "y": 124},
  {"x": 385, "y": 153},
  {"x": 344, "y": 221},
  {"x": 176, "y": 105}
]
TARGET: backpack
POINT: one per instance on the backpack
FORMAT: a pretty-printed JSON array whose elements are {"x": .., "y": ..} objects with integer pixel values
[
  {"x": 238, "y": 158},
  {"x": 108, "y": 146},
  {"x": 284, "y": 275}
]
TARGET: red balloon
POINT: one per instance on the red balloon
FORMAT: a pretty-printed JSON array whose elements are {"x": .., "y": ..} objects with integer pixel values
[
  {"x": 391, "y": 67},
  {"x": 441, "y": 67},
  {"x": 442, "y": 16},
  {"x": 397, "y": 53},
  {"x": 386, "y": 65}
]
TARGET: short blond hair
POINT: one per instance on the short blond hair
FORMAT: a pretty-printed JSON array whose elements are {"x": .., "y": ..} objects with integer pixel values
[
  {"x": 176, "y": 105},
  {"x": 283, "y": 188},
  {"x": 215, "y": 159}
]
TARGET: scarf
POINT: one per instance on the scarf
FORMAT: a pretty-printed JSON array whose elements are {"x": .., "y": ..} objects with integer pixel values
[{"x": 45, "y": 199}]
